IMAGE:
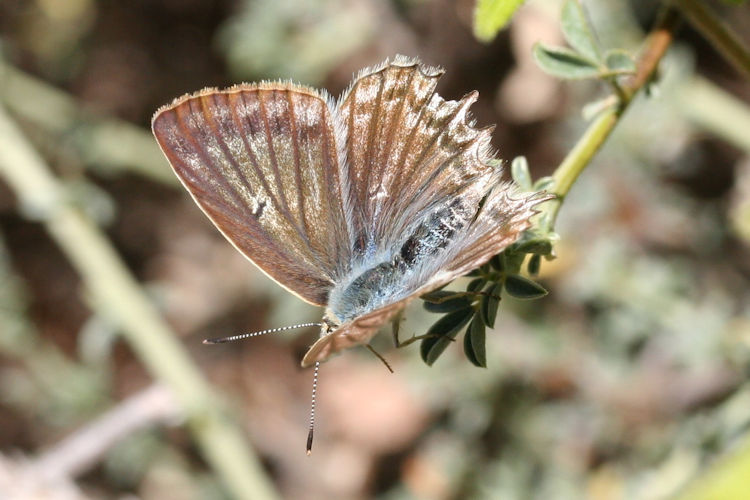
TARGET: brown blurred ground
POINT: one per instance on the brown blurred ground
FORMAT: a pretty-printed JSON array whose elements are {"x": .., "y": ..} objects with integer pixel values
[{"x": 625, "y": 377}]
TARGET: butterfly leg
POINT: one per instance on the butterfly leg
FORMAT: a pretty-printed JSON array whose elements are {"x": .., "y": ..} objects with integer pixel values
[
  {"x": 414, "y": 338},
  {"x": 396, "y": 327},
  {"x": 379, "y": 356}
]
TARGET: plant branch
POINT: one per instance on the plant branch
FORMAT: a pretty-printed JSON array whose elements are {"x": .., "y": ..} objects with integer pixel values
[
  {"x": 717, "y": 111},
  {"x": 100, "y": 143},
  {"x": 725, "y": 479},
  {"x": 84, "y": 448},
  {"x": 717, "y": 33},
  {"x": 117, "y": 295},
  {"x": 597, "y": 133}
]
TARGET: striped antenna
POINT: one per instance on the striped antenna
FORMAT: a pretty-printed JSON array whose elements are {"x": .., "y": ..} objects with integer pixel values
[
  {"x": 312, "y": 409},
  {"x": 243, "y": 336}
]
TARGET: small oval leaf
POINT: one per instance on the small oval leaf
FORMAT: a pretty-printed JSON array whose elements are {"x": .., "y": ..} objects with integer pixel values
[
  {"x": 436, "y": 295},
  {"x": 523, "y": 288},
  {"x": 620, "y": 62},
  {"x": 474, "y": 343},
  {"x": 442, "y": 334},
  {"x": 519, "y": 171},
  {"x": 577, "y": 30},
  {"x": 490, "y": 16},
  {"x": 536, "y": 246},
  {"x": 564, "y": 63},
  {"x": 490, "y": 304},
  {"x": 512, "y": 259},
  {"x": 535, "y": 263},
  {"x": 543, "y": 183},
  {"x": 476, "y": 285},
  {"x": 497, "y": 263}
]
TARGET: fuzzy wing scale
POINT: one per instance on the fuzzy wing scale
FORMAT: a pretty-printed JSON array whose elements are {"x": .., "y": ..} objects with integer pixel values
[
  {"x": 407, "y": 150},
  {"x": 262, "y": 163}
]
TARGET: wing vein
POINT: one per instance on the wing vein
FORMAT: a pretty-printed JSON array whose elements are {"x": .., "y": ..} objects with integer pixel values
[
  {"x": 211, "y": 122},
  {"x": 371, "y": 136},
  {"x": 251, "y": 154},
  {"x": 281, "y": 203},
  {"x": 297, "y": 167},
  {"x": 206, "y": 158},
  {"x": 275, "y": 167},
  {"x": 392, "y": 131},
  {"x": 330, "y": 183}
]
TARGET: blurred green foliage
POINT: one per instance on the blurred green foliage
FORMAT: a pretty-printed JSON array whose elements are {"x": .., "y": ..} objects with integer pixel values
[
  {"x": 628, "y": 380},
  {"x": 288, "y": 39}
]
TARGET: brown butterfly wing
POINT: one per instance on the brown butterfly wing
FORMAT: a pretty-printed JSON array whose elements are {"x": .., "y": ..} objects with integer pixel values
[
  {"x": 407, "y": 150},
  {"x": 414, "y": 157},
  {"x": 504, "y": 216},
  {"x": 262, "y": 163},
  {"x": 411, "y": 155}
]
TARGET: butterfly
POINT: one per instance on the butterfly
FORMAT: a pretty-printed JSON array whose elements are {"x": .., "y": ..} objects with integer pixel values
[{"x": 358, "y": 204}]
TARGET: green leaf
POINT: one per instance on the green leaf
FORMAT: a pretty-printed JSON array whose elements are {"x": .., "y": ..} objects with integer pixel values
[
  {"x": 523, "y": 288},
  {"x": 474, "y": 343},
  {"x": 592, "y": 109},
  {"x": 490, "y": 304},
  {"x": 578, "y": 32},
  {"x": 436, "y": 295},
  {"x": 535, "y": 262},
  {"x": 620, "y": 62},
  {"x": 490, "y": 16},
  {"x": 543, "y": 183},
  {"x": 564, "y": 63},
  {"x": 537, "y": 245},
  {"x": 519, "y": 171},
  {"x": 476, "y": 285},
  {"x": 497, "y": 263},
  {"x": 444, "y": 301},
  {"x": 512, "y": 259},
  {"x": 442, "y": 334}
]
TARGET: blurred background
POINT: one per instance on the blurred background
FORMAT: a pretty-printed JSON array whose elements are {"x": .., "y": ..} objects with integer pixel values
[{"x": 625, "y": 382}]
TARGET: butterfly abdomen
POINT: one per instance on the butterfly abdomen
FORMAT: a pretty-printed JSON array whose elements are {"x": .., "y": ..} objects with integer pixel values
[
  {"x": 388, "y": 280},
  {"x": 435, "y": 233}
]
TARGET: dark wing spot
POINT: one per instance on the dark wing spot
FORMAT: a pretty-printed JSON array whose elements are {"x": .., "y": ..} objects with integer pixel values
[{"x": 258, "y": 212}]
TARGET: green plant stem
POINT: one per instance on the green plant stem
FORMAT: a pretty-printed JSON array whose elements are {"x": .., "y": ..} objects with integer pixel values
[
  {"x": 716, "y": 111},
  {"x": 116, "y": 294},
  {"x": 727, "y": 478},
  {"x": 723, "y": 40},
  {"x": 579, "y": 157},
  {"x": 103, "y": 144},
  {"x": 597, "y": 133}
]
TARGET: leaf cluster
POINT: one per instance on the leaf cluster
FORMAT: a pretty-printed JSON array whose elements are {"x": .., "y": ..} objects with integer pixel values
[
  {"x": 585, "y": 58},
  {"x": 477, "y": 306}
]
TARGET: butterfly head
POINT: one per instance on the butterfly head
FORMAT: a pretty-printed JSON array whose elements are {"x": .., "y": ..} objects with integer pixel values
[{"x": 329, "y": 324}]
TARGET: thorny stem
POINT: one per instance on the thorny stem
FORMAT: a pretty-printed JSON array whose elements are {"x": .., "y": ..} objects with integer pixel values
[
  {"x": 115, "y": 294},
  {"x": 592, "y": 140}
]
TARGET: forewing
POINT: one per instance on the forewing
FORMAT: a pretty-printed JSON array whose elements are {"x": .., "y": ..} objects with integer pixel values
[
  {"x": 407, "y": 149},
  {"x": 262, "y": 163}
]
